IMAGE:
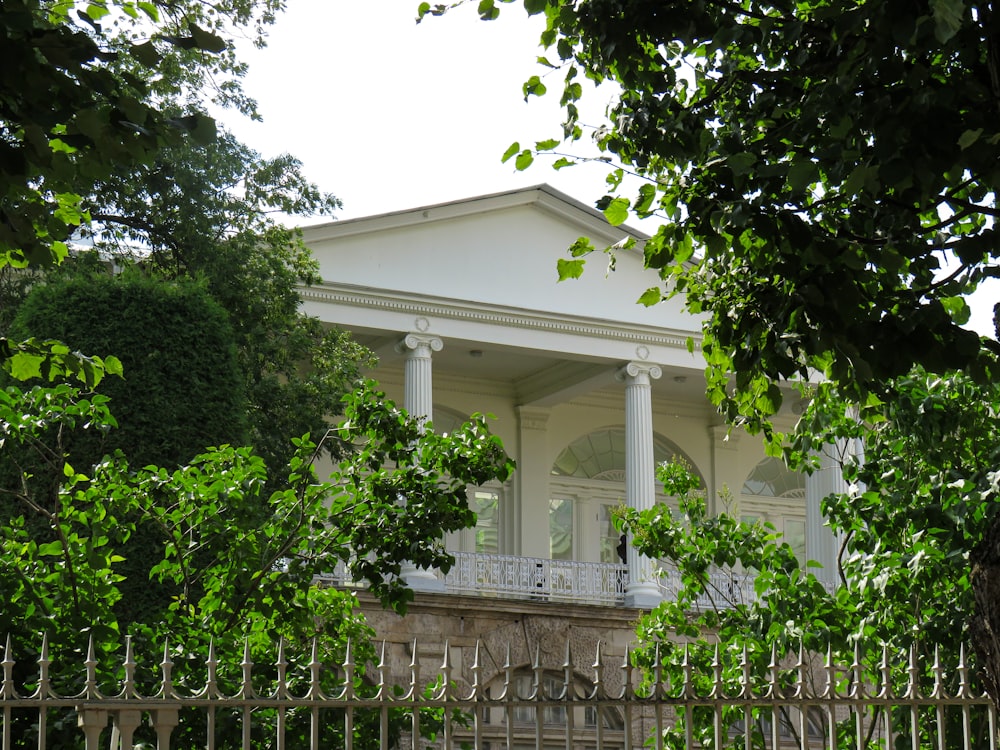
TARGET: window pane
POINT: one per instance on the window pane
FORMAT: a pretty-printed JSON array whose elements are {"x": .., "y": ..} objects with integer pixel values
[
  {"x": 486, "y": 504},
  {"x": 561, "y": 529},
  {"x": 610, "y": 537},
  {"x": 795, "y": 536}
]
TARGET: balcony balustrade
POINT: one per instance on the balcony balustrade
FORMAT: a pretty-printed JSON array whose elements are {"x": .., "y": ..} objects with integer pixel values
[
  {"x": 541, "y": 579},
  {"x": 536, "y": 578}
]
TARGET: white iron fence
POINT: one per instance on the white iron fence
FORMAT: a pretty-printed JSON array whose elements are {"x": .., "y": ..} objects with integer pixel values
[{"x": 809, "y": 705}]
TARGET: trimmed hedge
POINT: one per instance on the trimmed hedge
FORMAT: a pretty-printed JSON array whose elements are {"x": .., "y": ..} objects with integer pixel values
[{"x": 182, "y": 389}]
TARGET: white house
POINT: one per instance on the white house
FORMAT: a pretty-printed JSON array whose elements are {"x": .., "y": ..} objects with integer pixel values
[{"x": 462, "y": 305}]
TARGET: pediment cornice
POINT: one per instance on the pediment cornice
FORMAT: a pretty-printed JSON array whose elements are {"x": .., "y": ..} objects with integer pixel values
[{"x": 508, "y": 317}]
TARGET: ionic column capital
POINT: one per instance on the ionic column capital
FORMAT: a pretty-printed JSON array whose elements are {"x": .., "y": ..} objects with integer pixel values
[
  {"x": 639, "y": 372},
  {"x": 419, "y": 345}
]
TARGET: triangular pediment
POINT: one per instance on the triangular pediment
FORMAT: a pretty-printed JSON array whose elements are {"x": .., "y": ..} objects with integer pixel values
[{"x": 499, "y": 251}]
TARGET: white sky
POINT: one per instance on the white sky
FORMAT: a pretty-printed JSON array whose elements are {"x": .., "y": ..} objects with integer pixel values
[{"x": 389, "y": 115}]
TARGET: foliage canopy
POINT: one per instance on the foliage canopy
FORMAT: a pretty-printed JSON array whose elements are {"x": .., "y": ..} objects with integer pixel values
[
  {"x": 827, "y": 175},
  {"x": 827, "y": 172},
  {"x": 92, "y": 88}
]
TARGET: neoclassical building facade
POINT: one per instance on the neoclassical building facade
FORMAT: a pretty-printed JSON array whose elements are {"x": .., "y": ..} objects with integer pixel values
[{"x": 588, "y": 391}]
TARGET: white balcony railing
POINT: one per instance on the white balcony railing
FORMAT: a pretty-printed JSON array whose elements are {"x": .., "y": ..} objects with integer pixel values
[
  {"x": 541, "y": 579},
  {"x": 537, "y": 578},
  {"x": 515, "y": 577}
]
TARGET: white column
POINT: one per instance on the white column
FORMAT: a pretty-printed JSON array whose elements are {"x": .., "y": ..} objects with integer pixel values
[
  {"x": 418, "y": 400},
  {"x": 640, "y": 480},
  {"x": 821, "y": 545},
  {"x": 534, "y": 467},
  {"x": 418, "y": 389}
]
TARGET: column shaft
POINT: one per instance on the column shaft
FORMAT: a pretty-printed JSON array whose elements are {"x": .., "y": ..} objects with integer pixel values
[
  {"x": 418, "y": 400},
  {"x": 418, "y": 386},
  {"x": 821, "y": 545},
  {"x": 640, "y": 479}
]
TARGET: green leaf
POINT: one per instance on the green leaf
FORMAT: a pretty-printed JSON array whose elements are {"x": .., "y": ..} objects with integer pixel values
[
  {"x": 511, "y": 150},
  {"x": 647, "y": 193},
  {"x": 948, "y": 16},
  {"x": 487, "y": 10},
  {"x": 25, "y": 366},
  {"x": 616, "y": 212},
  {"x": 741, "y": 162},
  {"x": 150, "y": 10},
  {"x": 802, "y": 174},
  {"x": 546, "y": 145},
  {"x": 535, "y": 7},
  {"x": 581, "y": 246},
  {"x": 969, "y": 137},
  {"x": 113, "y": 365},
  {"x": 533, "y": 87},
  {"x": 651, "y": 296},
  {"x": 569, "y": 269},
  {"x": 206, "y": 40},
  {"x": 524, "y": 160},
  {"x": 856, "y": 180},
  {"x": 97, "y": 11},
  {"x": 146, "y": 53}
]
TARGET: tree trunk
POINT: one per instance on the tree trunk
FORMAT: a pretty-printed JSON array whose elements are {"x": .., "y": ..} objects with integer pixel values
[{"x": 985, "y": 625}]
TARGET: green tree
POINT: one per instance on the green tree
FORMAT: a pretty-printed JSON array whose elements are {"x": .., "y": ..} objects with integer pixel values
[
  {"x": 238, "y": 561},
  {"x": 827, "y": 176},
  {"x": 183, "y": 392},
  {"x": 183, "y": 387},
  {"x": 916, "y": 511},
  {"x": 92, "y": 88},
  {"x": 815, "y": 164},
  {"x": 207, "y": 212}
]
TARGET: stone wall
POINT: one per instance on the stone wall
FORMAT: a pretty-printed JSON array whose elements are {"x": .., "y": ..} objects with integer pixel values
[{"x": 523, "y": 630}]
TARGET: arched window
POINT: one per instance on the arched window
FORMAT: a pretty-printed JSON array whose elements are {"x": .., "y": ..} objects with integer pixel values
[
  {"x": 601, "y": 455},
  {"x": 771, "y": 478},
  {"x": 588, "y": 482}
]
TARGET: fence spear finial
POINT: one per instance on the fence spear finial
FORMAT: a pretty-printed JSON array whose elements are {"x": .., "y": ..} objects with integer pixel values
[
  {"x": 477, "y": 668},
  {"x": 348, "y": 691},
  {"x": 446, "y": 672},
  {"x": 382, "y": 686},
  {"x": 963, "y": 674},
  {"x": 8, "y": 689},
  {"x": 414, "y": 672},
  {"x": 43, "y": 667},
  {"x": 567, "y": 674},
  {"x": 211, "y": 685},
  {"x": 128, "y": 689},
  {"x": 90, "y": 690},
  {"x": 281, "y": 665},
  {"x": 166, "y": 671},
  {"x": 315, "y": 693}
]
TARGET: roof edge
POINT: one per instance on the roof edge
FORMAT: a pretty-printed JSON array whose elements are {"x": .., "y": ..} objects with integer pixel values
[{"x": 546, "y": 197}]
